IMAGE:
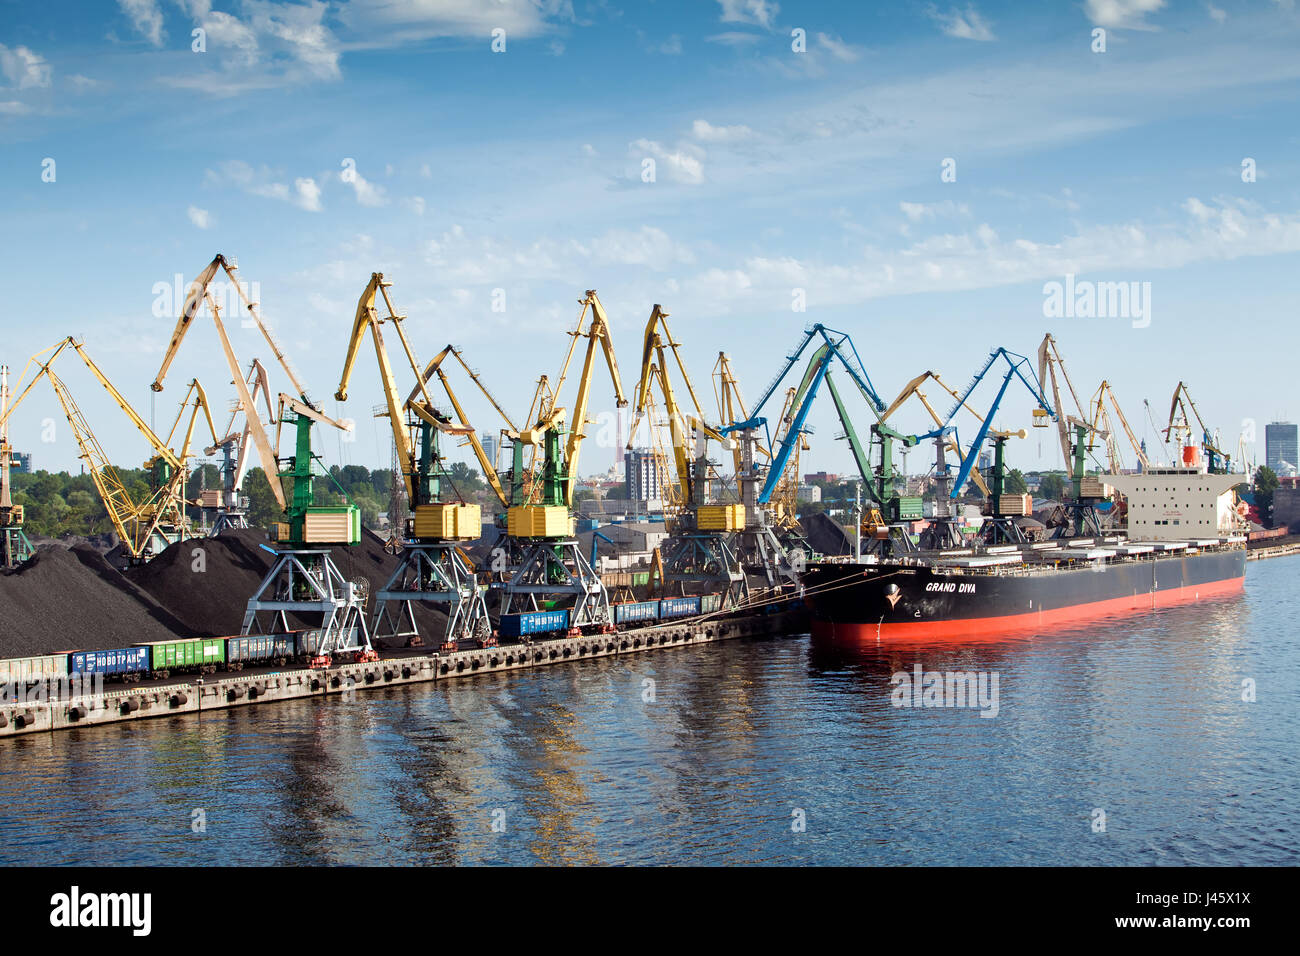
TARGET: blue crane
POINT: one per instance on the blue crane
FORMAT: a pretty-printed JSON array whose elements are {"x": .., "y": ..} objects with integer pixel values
[
  {"x": 1016, "y": 365},
  {"x": 836, "y": 345}
]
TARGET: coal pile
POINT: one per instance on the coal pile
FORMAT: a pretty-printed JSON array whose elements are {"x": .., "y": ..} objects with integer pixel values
[
  {"x": 211, "y": 602},
  {"x": 73, "y": 599}
]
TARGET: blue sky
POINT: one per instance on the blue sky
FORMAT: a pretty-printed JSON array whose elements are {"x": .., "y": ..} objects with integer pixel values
[{"x": 775, "y": 170}]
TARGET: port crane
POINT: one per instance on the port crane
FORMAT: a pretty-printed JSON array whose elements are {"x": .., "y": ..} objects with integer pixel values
[
  {"x": 303, "y": 580},
  {"x": 432, "y": 569},
  {"x": 545, "y": 560},
  {"x": 1218, "y": 462},
  {"x": 235, "y": 450},
  {"x": 942, "y": 532},
  {"x": 760, "y": 545},
  {"x": 15, "y": 548},
  {"x": 145, "y": 527},
  {"x": 1099, "y": 421},
  {"x": 698, "y": 552}
]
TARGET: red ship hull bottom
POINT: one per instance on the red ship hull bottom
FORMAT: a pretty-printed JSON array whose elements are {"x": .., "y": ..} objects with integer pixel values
[{"x": 992, "y": 628}]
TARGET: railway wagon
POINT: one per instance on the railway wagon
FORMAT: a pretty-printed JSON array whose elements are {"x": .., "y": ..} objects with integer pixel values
[
  {"x": 128, "y": 663},
  {"x": 710, "y": 603},
  {"x": 528, "y": 623},
  {"x": 254, "y": 649},
  {"x": 670, "y": 608},
  {"x": 204, "y": 654},
  {"x": 29, "y": 671},
  {"x": 630, "y": 612}
]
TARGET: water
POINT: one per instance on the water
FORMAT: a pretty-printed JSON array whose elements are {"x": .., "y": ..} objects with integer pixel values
[{"x": 1141, "y": 718}]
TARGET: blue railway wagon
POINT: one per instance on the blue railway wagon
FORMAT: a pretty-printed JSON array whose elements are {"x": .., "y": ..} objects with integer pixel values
[
  {"x": 28, "y": 671},
  {"x": 534, "y": 622},
  {"x": 125, "y": 662},
  {"x": 253, "y": 649},
  {"x": 678, "y": 607},
  {"x": 633, "y": 611},
  {"x": 710, "y": 603}
]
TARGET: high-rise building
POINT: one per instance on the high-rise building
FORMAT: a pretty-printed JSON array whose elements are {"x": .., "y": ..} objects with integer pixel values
[
  {"x": 642, "y": 476},
  {"x": 489, "y": 443},
  {"x": 1280, "y": 447},
  {"x": 20, "y": 462}
]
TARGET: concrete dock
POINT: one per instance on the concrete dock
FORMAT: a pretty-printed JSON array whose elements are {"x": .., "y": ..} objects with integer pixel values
[{"x": 125, "y": 702}]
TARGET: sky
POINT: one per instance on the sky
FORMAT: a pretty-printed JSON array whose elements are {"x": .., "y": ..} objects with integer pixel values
[{"x": 917, "y": 175}]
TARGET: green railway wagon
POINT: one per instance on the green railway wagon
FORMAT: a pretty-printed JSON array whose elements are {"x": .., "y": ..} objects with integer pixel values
[{"x": 200, "y": 654}]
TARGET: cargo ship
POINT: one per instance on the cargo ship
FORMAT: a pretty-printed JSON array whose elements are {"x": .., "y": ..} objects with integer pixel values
[{"x": 1184, "y": 542}]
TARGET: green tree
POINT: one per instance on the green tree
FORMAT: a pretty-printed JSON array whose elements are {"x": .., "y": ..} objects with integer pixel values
[
  {"x": 263, "y": 509},
  {"x": 1265, "y": 484},
  {"x": 1014, "y": 484},
  {"x": 1052, "y": 486}
]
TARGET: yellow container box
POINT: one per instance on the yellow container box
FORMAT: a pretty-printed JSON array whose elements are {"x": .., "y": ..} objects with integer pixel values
[
  {"x": 539, "y": 521},
  {"x": 463, "y": 522},
  {"x": 721, "y": 517}
]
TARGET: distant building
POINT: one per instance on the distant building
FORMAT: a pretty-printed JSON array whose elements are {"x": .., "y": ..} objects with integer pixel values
[
  {"x": 643, "y": 479},
  {"x": 810, "y": 493},
  {"x": 490, "y": 445},
  {"x": 821, "y": 476},
  {"x": 20, "y": 462},
  {"x": 1280, "y": 447},
  {"x": 986, "y": 460}
]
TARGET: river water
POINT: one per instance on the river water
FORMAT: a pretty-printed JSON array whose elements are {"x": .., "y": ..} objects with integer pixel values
[{"x": 1125, "y": 741}]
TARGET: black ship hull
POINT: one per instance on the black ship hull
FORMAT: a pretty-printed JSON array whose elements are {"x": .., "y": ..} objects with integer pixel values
[{"x": 887, "y": 601}]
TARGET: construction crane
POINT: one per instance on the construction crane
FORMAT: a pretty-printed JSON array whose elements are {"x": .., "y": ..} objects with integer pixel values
[
  {"x": 15, "y": 548},
  {"x": 235, "y": 453},
  {"x": 145, "y": 527},
  {"x": 698, "y": 553},
  {"x": 760, "y": 547},
  {"x": 1218, "y": 462},
  {"x": 432, "y": 569},
  {"x": 303, "y": 579},
  {"x": 544, "y": 558}
]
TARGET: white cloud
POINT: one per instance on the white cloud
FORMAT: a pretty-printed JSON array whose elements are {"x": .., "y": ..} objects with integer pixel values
[
  {"x": 23, "y": 68},
  {"x": 198, "y": 216},
  {"x": 261, "y": 181},
  {"x": 380, "y": 23},
  {"x": 13, "y": 108},
  {"x": 671, "y": 47},
  {"x": 681, "y": 165},
  {"x": 1217, "y": 15},
  {"x": 965, "y": 25},
  {"x": 760, "y": 13},
  {"x": 415, "y": 204},
  {"x": 306, "y": 194},
  {"x": 706, "y": 132},
  {"x": 1121, "y": 14},
  {"x": 733, "y": 38},
  {"x": 917, "y": 212},
  {"x": 368, "y": 194},
  {"x": 838, "y": 48},
  {"x": 146, "y": 18},
  {"x": 588, "y": 149},
  {"x": 82, "y": 83}
]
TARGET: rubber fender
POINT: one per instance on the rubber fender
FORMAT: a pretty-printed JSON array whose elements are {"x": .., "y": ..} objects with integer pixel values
[
  {"x": 179, "y": 698},
  {"x": 235, "y": 692},
  {"x": 25, "y": 719},
  {"x": 4, "y": 721},
  {"x": 77, "y": 712}
]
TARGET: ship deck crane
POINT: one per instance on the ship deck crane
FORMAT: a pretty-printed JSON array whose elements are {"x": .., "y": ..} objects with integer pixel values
[
  {"x": 432, "y": 569},
  {"x": 698, "y": 551},
  {"x": 545, "y": 560},
  {"x": 304, "y": 579},
  {"x": 145, "y": 526}
]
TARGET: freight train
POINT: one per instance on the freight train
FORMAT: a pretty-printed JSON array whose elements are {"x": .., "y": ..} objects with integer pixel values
[{"x": 161, "y": 659}]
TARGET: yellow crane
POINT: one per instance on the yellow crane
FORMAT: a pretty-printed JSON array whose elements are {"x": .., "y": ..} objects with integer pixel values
[
  {"x": 1101, "y": 417},
  {"x": 698, "y": 552},
  {"x": 144, "y": 526},
  {"x": 15, "y": 548},
  {"x": 235, "y": 450},
  {"x": 914, "y": 388},
  {"x": 1180, "y": 427},
  {"x": 432, "y": 569}
]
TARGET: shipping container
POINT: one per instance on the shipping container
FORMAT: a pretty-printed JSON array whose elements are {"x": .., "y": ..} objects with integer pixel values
[
  {"x": 203, "y": 654},
  {"x": 633, "y": 611},
  {"x": 710, "y": 603},
  {"x": 678, "y": 607},
  {"x": 119, "y": 662},
  {"x": 33, "y": 670},
  {"x": 534, "y": 622}
]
